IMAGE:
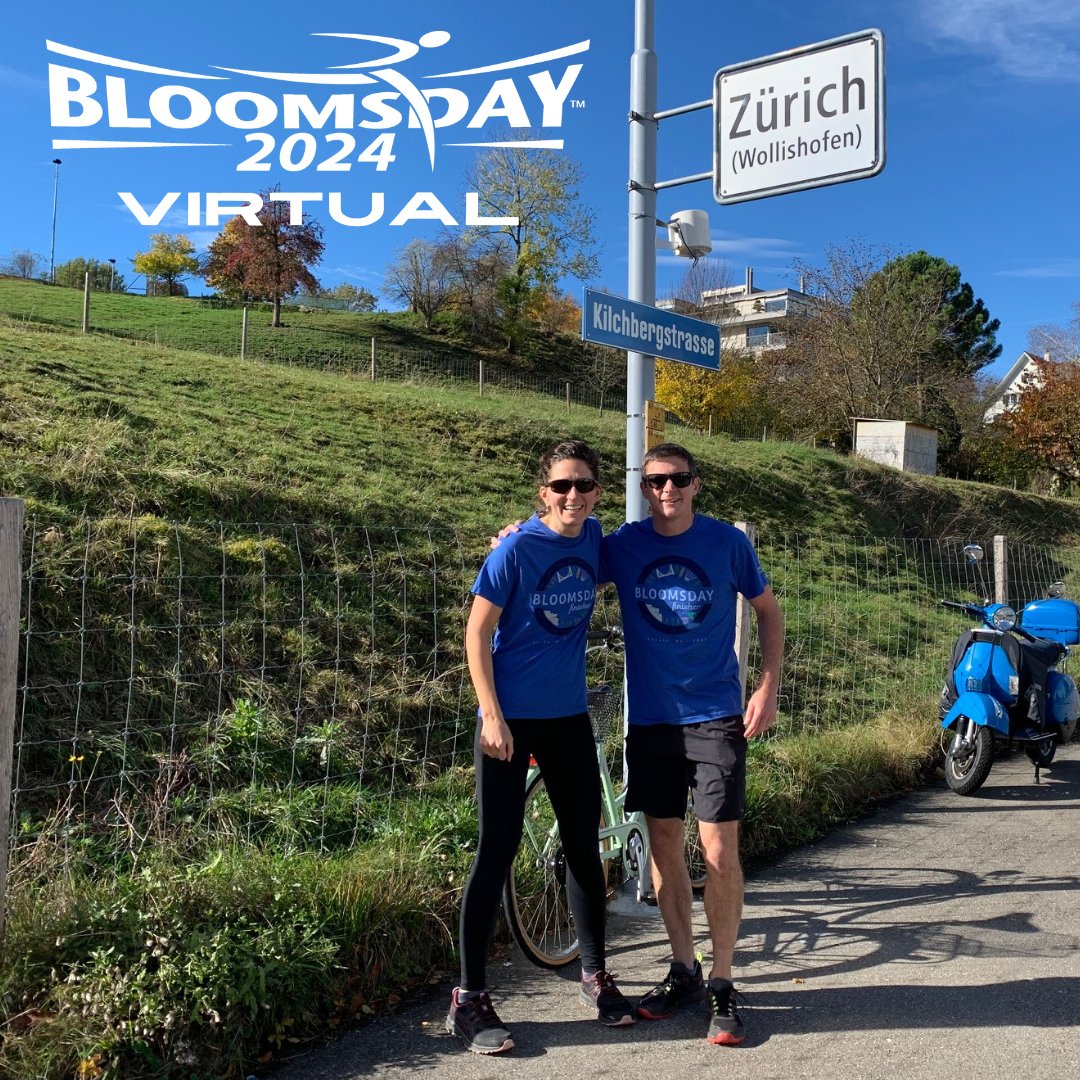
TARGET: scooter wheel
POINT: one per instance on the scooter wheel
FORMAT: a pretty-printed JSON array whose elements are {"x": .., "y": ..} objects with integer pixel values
[{"x": 966, "y": 768}]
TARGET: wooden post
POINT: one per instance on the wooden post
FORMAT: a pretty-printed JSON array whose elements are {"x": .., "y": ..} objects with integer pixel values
[
  {"x": 567, "y": 399},
  {"x": 1001, "y": 570},
  {"x": 86, "y": 304},
  {"x": 373, "y": 358},
  {"x": 243, "y": 333},
  {"x": 481, "y": 378},
  {"x": 710, "y": 425},
  {"x": 11, "y": 527},
  {"x": 742, "y": 616}
]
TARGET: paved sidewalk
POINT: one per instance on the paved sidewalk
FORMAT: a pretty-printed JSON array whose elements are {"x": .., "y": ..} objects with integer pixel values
[{"x": 939, "y": 938}]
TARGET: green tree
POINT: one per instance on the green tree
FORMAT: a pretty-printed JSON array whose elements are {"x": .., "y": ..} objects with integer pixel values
[
  {"x": 968, "y": 340},
  {"x": 103, "y": 275},
  {"x": 552, "y": 233},
  {"x": 168, "y": 259},
  {"x": 268, "y": 261},
  {"x": 890, "y": 339}
]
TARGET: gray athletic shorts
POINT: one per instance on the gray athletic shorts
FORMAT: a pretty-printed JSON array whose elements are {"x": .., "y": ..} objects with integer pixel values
[{"x": 706, "y": 760}]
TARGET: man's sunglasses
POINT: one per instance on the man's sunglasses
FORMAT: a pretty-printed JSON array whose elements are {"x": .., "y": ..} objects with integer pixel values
[
  {"x": 680, "y": 479},
  {"x": 562, "y": 487}
]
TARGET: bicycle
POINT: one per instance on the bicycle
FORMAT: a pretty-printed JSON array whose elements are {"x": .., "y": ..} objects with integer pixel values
[{"x": 534, "y": 896}]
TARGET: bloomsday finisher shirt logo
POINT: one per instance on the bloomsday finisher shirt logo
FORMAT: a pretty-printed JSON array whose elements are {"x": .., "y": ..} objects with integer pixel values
[
  {"x": 564, "y": 596},
  {"x": 674, "y": 595},
  {"x": 352, "y": 121}
]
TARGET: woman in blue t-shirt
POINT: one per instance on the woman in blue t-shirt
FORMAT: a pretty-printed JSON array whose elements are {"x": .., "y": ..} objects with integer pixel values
[{"x": 535, "y": 593}]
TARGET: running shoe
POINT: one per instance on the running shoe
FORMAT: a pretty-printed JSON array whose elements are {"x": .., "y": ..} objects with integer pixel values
[
  {"x": 477, "y": 1024},
  {"x": 600, "y": 992},
  {"x": 725, "y": 1026},
  {"x": 676, "y": 989}
]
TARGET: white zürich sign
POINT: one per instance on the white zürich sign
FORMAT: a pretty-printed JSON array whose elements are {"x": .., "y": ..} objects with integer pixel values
[{"x": 800, "y": 119}]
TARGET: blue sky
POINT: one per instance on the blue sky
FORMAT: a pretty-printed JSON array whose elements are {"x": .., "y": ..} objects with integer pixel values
[{"x": 982, "y": 147}]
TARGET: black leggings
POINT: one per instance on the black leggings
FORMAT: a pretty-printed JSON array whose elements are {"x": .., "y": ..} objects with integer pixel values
[{"x": 565, "y": 751}]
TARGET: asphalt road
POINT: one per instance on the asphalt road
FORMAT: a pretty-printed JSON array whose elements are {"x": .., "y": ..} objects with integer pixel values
[{"x": 939, "y": 938}]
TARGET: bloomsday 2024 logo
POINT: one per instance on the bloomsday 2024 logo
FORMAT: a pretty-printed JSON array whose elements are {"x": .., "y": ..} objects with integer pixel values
[{"x": 353, "y": 122}]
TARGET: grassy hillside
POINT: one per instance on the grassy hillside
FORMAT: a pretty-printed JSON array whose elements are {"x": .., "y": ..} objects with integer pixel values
[
  {"x": 135, "y": 951},
  {"x": 93, "y": 425},
  {"x": 309, "y": 338}
]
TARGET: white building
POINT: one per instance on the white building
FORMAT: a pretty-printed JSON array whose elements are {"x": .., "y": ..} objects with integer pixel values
[
  {"x": 1023, "y": 375},
  {"x": 751, "y": 319}
]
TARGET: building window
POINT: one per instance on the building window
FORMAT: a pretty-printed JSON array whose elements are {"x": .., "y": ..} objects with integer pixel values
[
  {"x": 1011, "y": 401},
  {"x": 779, "y": 304},
  {"x": 757, "y": 336}
]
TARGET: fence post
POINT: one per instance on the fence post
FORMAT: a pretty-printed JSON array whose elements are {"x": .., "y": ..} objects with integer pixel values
[
  {"x": 567, "y": 399},
  {"x": 710, "y": 425},
  {"x": 481, "y": 377},
  {"x": 1001, "y": 570},
  {"x": 86, "y": 304},
  {"x": 11, "y": 527},
  {"x": 243, "y": 333},
  {"x": 372, "y": 357},
  {"x": 742, "y": 615}
]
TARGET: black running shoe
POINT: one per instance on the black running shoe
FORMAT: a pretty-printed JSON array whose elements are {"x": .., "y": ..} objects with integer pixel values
[
  {"x": 600, "y": 992},
  {"x": 726, "y": 1026},
  {"x": 676, "y": 989},
  {"x": 477, "y": 1024}
]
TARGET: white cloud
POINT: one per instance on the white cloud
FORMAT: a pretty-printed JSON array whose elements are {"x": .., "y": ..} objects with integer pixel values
[
  {"x": 1051, "y": 268},
  {"x": 1027, "y": 40},
  {"x": 360, "y": 274},
  {"x": 21, "y": 81}
]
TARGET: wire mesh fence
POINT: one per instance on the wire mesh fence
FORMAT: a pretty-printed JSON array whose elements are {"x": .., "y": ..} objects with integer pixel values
[
  {"x": 294, "y": 686},
  {"x": 265, "y": 683}
]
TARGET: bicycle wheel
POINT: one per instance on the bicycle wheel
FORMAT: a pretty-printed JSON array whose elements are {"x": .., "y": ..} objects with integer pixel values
[
  {"x": 695, "y": 858},
  {"x": 534, "y": 897}
]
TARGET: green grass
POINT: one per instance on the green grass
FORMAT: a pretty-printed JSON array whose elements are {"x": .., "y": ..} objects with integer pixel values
[
  {"x": 308, "y": 338},
  {"x": 157, "y": 447}
]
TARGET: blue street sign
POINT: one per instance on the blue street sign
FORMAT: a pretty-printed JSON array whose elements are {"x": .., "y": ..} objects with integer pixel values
[{"x": 626, "y": 324}]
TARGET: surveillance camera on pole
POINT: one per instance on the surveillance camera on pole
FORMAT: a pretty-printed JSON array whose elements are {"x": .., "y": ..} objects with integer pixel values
[{"x": 688, "y": 234}]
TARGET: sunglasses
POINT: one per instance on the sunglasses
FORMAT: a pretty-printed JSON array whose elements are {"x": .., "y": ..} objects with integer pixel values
[
  {"x": 657, "y": 480},
  {"x": 562, "y": 487}
]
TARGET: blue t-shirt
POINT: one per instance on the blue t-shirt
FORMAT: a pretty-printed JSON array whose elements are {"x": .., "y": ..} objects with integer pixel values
[
  {"x": 546, "y": 586},
  {"x": 678, "y": 598}
]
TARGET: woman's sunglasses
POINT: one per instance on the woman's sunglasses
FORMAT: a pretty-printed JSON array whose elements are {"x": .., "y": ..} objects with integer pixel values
[
  {"x": 562, "y": 487},
  {"x": 680, "y": 479}
]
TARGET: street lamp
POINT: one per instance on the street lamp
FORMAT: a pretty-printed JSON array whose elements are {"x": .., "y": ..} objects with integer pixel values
[
  {"x": 52, "y": 248},
  {"x": 112, "y": 270}
]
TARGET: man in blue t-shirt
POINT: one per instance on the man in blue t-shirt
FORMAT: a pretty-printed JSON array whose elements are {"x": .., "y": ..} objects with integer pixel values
[{"x": 679, "y": 575}]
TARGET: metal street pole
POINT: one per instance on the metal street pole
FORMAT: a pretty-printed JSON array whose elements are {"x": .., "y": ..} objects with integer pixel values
[
  {"x": 52, "y": 248},
  {"x": 112, "y": 270},
  {"x": 641, "y": 250}
]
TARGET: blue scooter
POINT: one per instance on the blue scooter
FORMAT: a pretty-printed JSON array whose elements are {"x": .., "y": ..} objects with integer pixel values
[{"x": 1003, "y": 684}]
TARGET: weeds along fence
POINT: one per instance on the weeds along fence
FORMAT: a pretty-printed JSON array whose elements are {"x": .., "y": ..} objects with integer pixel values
[{"x": 303, "y": 687}]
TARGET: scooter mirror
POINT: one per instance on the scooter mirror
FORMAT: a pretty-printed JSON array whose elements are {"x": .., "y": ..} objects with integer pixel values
[
  {"x": 1056, "y": 589},
  {"x": 973, "y": 553}
]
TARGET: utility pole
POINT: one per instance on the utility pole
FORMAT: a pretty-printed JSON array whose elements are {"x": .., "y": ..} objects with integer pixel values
[
  {"x": 641, "y": 248},
  {"x": 52, "y": 247}
]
